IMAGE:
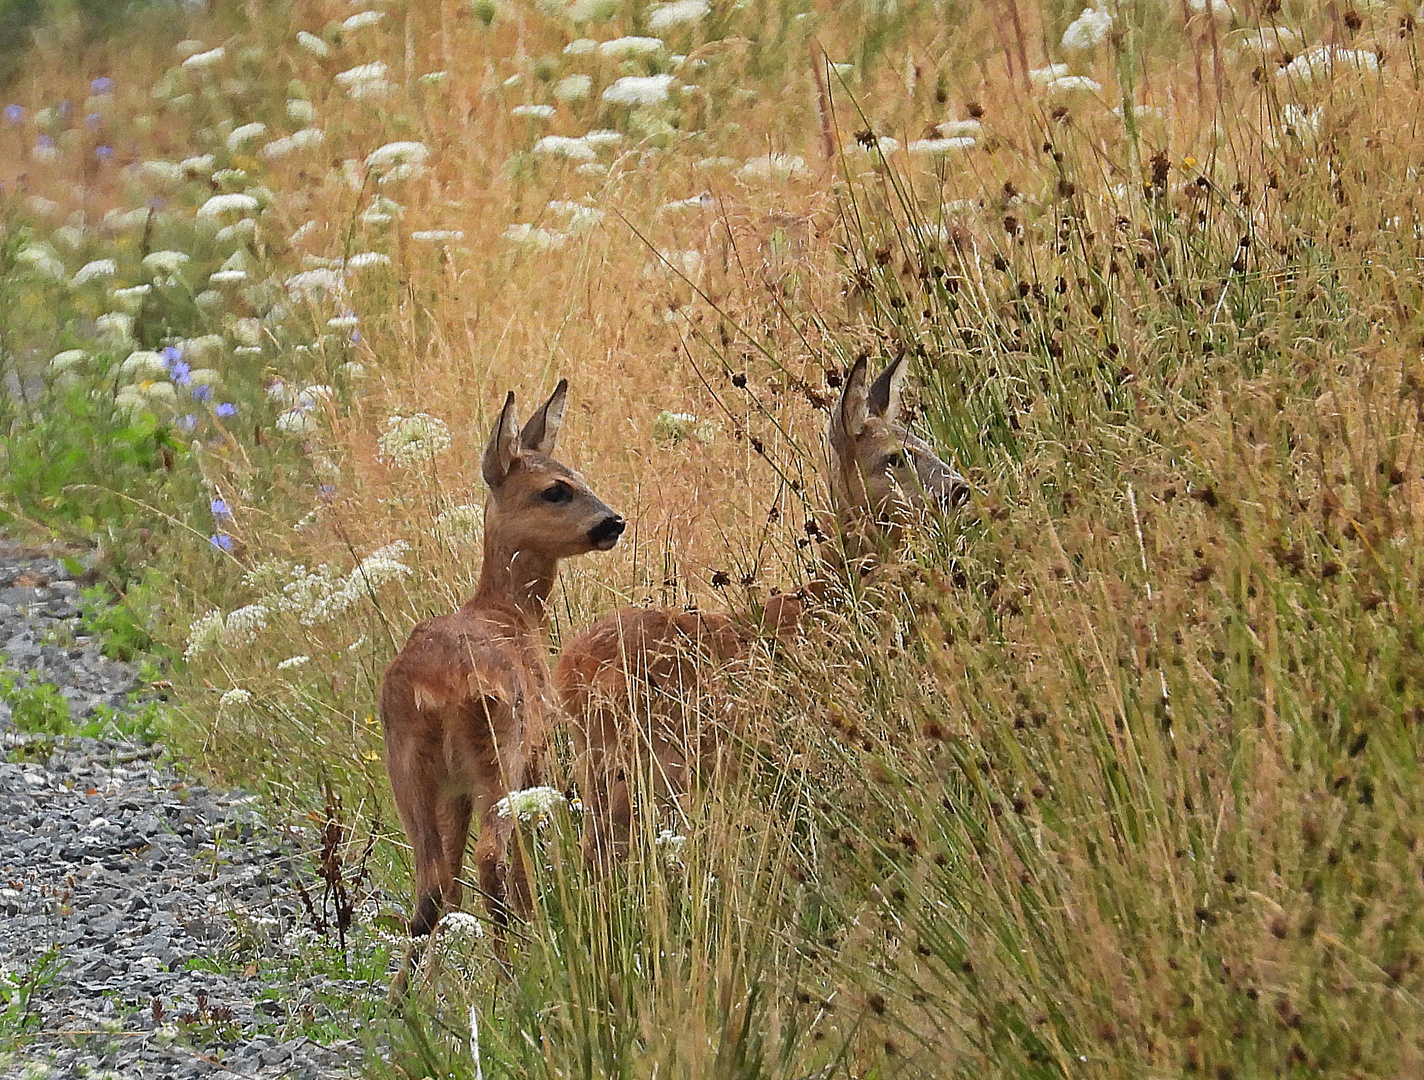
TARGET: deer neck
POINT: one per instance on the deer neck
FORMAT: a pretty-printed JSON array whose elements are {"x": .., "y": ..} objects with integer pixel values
[{"x": 512, "y": 578}]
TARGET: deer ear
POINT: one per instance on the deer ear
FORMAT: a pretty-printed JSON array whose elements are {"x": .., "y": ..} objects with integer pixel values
[
  {"x": 883, "y": 398},
  {"x": 542, "y": 430},
  {"x": 503, "y": 448},
  {"x": 850, "y": 413}
]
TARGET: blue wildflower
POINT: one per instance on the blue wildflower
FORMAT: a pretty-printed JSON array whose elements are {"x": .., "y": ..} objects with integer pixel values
[
  {"x": 221, "y": 541},
  {"x": 181, "y": 371},
  {"x": 14, "y": 115},
  {"x": 219, "y": 508},
  {"x": 104, "y": 153},
  {"x": 226, "y": 408},
  {"x": 44, "y": 142},
  {"x": 327, "y": 490},
  {"x": 187, "y": 421},
  {"x": 102, "y": 85},
  {"x": 202, "y": 393}
]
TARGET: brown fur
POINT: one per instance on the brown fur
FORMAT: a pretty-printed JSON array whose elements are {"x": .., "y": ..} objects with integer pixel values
[
  {"x": 467, "y": 703},
  {"x": 635, "y": 683}
]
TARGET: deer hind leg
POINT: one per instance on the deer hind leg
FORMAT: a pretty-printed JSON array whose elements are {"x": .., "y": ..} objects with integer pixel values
[
  {"x": 607, "y": 809},
  {"x": 433, "y": 884},
  {"x": 453, "y": 816}
]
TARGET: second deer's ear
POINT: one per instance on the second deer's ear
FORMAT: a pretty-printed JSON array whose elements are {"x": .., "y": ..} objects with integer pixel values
[
  {"x": 503, "y": 448},
  {"x": 542, "y": 430},
  {"x": 883, "y": 398},
  {"x": 851, "y": 411}
]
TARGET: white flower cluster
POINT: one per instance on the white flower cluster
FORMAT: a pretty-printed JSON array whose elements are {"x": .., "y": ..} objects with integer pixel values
[
  {"x": 639, "y": 90},
  {"x": 398, "y": 161},
  {"x": 531, "y": 803},
  {"x": 366, "y": 80},
  {"x": 774, "y": 167},
  {"x": 1323, "y": 61},
  {"x": 242, "y": 626},
  {"x": 235, "y": 696},
  {"x": 293, "y": 662},
  {"x": 1088, "y": 30},
  {"x": 677, "y": 13},
  {"x": 203, "y": 633},
  {"x": 672, "y": 845},
  {"x": 413, "y": 440}
]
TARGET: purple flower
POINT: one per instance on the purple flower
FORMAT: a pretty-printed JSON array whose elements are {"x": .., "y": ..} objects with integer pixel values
[
  {"x": 225, "y": 408},
  {"x": 44, "y": 142},
  {"x": 221, "y": 541},
  {"x": 181, "y": 371},
  {"x": 102, "y": 85},
  {"x": 14, "y": 115},
  {"x": 170, "y": 354},
  {"x": 104, "y": 153},
  {"x": 327, "y": 490},
  {"x": 219, "y": 509},
  {"x": 202, "y": 393},
  {"x": 187, "y": 421},
  {"x": 66, "y": 109},
  {"x": 93, "y": 120},
  {"x": 355, "y": 337}
]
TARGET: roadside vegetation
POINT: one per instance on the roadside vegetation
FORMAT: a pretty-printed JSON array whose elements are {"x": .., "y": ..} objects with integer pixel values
[{"x": 1114, "y": 773}]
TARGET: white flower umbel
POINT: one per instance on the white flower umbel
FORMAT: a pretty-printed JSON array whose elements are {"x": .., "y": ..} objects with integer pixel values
[
  {"x": 366, "y": 80},
  {"x": 300, "y": 111},
  {"x": 533, "y": 112},
  {"x": 460, "y": 925},
  {"x": 98, "y": 270},
  {"x": 398, "y": 160},
  {"x": 315, "y": 286},
  {"x": 672, "y": 845},
  {"x": 241, "y": 136},
  {"x": 296, "y": 421},
  {"x": 410, "y": 441},
  {"x": 675, "y": 427},
  {"x": 165, "y": 262},
  {"x": 531, "y": 803},
  {"x": 624, "y": 47},
  {"x": 774, "y": 167},
  {"x": 362, "y": 19},
  {"x": 1323, "y": 61},
  {"x": 940, "y": 147},
  {"x": 437, "y": 236},
  {"x": 1088, "y": 30},
  {"x": 1073, "y": 84},
  {"x": 198, "y": 165},
  {"x": 572, "y": 88},
  {"x": 144, "y": 364},
  {"x": 201, "y": 60},
  {"x": 636, "y": 90},
  {"x": 293, "y": 662},
  {"x": 1045, "y": 75},
  {"x": 576, "y": 217},
  {"x": 527, "y": 235},
  {"x": 313, "y": 44},
  {"x": 565, "y": 147},
  {"x": 677, "y": 13},
  {"x": 235, "y": 696},
  {"x": 365, "y": 259},
  {"x": 874, "y": 145},
  {"x": 203, "y": 633},
  {"x": 41, "y": 258},
  {"x": 232, "y": 202},
  {"x": 243, "y": 626}
]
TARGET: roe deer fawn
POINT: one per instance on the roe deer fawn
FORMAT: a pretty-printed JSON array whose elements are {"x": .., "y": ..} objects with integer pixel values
[
  {"x": 631, "y": 682},
  {"x": 467, "y": 702}
]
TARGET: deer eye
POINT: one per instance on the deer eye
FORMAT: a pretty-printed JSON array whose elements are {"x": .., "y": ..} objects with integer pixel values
[
  {"x": 895, "y": 461},
  {"x": 558, "y": 492}
]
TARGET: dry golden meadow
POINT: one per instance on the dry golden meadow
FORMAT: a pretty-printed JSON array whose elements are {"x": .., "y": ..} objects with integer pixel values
[{"x": 1114, "y": 773}]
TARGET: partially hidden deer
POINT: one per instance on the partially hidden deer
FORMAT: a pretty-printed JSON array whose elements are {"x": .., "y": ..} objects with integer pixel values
[
  {"x": 636, "y": 683},
  {"x": 467, "y": 703}
]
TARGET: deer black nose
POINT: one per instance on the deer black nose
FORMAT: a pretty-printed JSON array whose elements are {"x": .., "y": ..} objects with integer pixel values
[{"x": 606, "y": 533}]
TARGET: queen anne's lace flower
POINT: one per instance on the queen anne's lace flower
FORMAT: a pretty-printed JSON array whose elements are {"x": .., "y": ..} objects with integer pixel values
[
  {"x": 203, "y": 633},
  {"x": 635, "y": 90},
  {"x": 235, "y": 696},
  {"x": 242, "y": 626},
  {"x": 413, "y": 440},
  {"x": 1088, "y": 30},
  {"x": 531, "y": 803},
  {"x": 461, "y": 524}
]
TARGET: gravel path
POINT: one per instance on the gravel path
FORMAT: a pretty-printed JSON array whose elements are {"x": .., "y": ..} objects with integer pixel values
[{"x": 140, "y": 909}]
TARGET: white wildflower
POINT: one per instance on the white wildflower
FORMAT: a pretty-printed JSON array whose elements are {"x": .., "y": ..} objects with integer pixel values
[
  {"x": 307, "y": 137},
  {"x": 572, "y": 88},
  {"x": 242, "y": 626},
  {"x": 165, "y": 262},
  {"x": 937, "y": 147},
  {"x": 200, "y": 165},
  {"x": 577, "y": 217},
  {"x": 379, "y": 567},
  {"x": 115, "y": 325},
  {"x": 343, "y": 322},
  {"x": 413, "y": 440},
  {"x": 774, "y": 167},
  {"x": 365, "y": 80},
  {"x": 1045, "y": 75},
  {"x": 230, "y": 178},
  {"x": 159, "y": 390},
  {"x": 602, "y": 137},
  {"x": 382, "y": 211},
  {"x": 42, "y": 259},
  {"x": 533, "y": 112},
  {"x": 131, "y": 298},
  {"x": 1088, "y": 30},
  {"x": 461, "y": 524},
  {"x": 959, "y": 129},
  {"x": 235, "y": 696},
  {"x": 677, "y": 13},
  {"x": 1322, "y": 62},
  {"x": 241, "y": 136},
  {"x": 434, "y": 78},
  {"x": 293, "y": 662},
  {"x": 565, "y": 147},
  {"x": 581, "y": 11},
  {"x": 1072, "y": 84},
  {"x": 624, "y": 47},
  {"x": 535, "y": 237},
  {"x": 398, "y": 160},
  {"x": 352, "y": 370},
  {"x": 295, "y": 421},
  {"x": 459, "y": 924},
  {"x": 144, "y": 364},
  {"x": 232, "y": 202},
  {"x": 313, "y": 44},
  {"x": 437, "y": 236},
  {"x": 672, "y": 845},
  {"x": 68, "y": 359},
  {"x": 203, "y": 376},
  {"x": 247, "y": 331},
  {"x": 315, "y": 286},
  {"x": 97, "y": 270},
  {"x": 363, "y": 259},
  {"x": 531, "y": 803},
  {"x": 581, "y": 47},
  {"x": 362, "y": 19},
  {"x": 704, "y": 201},
  {"x": 205, "y": 59},
  {"x": 1217, "y": 9},
  {"x": 203, "y": 633},
  {"x": 227, "y": 277},
  {"x": 635, "y": 90}
]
